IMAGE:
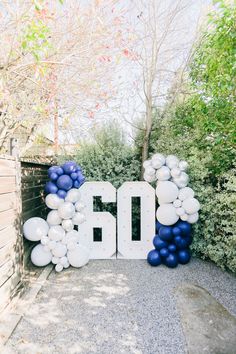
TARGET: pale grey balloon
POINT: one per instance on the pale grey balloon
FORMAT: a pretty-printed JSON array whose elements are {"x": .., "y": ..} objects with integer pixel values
[
  {"x": 40, "y": 257},
  {"x": 35, "y": 228},
  {"x": 163, "y": 174},
  {"x": 166, "y": 214},
  {"x": 191, "y": 205},
  {"x": 166, "y": 192}
]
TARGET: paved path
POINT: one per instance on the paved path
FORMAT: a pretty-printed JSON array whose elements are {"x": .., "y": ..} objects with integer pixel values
[{"x": 115, "y": 307}]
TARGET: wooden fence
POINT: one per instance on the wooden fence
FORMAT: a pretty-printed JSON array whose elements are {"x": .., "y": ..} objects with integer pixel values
[{"x": 21, "y": 197}]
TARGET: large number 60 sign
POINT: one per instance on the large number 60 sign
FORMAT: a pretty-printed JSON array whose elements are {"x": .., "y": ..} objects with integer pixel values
[{"x": 116, "y": 241}]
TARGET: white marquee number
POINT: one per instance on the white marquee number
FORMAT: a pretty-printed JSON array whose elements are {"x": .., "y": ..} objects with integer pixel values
[
  {"x": 126, "y": 247},
  {"x": 106, "y": 248}
]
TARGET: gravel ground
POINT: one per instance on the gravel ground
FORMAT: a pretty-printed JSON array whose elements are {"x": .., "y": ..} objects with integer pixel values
[{"x": 114, "y": 307}]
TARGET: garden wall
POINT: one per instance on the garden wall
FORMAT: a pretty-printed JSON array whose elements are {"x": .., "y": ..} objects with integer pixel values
[{"x": 21, "y": 197}]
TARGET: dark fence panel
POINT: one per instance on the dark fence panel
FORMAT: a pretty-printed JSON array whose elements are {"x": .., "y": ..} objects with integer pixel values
[{"x": 33, "y": 178}]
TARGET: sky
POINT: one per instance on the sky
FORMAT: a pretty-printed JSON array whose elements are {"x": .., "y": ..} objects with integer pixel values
[{"x": 127, "y": 105}]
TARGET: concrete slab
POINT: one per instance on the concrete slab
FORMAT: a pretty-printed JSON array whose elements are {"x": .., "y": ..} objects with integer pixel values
[{"x": 208, "y": 326}]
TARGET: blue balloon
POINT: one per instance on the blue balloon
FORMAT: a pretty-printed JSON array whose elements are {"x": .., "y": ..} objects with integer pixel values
[
  {"x": 171, "y": 261},
  {"x": 189, "y": 240},
  {"x": 61, "y": 194},
  {"x": 165, "y": 233},
  {"x": 59, "y": 171},
  {"x": 78, "y": 168},
  {"x": 69, "y": 167},
  {"x": 76, "y": 184},
  {"x": 176, "y": 231},
  {"x": 158, "y": 225},
  {"x": 73, "y": 175},
  {"x": 80, "y": 176},
  {"x": 53, "y": 176},
  {"x": 158, "y": 243},
  {"x": 64, "y": 182},
  {"x": 184, "y": 256},
  {"x": 172, "y": 248},
  {"x": 185, "y": 227},
  {"x": 154, "y": 258},
  {"x": 50, "y": 187},
  {"x": 52, "y": 169},
  {"x": 164, "y": 252},
  {"x": 180, "y": 242}
]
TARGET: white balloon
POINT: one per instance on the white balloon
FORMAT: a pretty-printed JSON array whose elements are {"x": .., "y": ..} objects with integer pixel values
[
  {"x": 148, "y": 178},
  {"x": 147, "y": 163},
  {"x": 78, "y": 218},
  {"x": 73, "y": 195},
  {"x": 79, "y": 256},
  {"x": 159, "y": 157},
  {"x": 175, "y": 172},
  {"x": 180, "y": 211},
  {"x": 67, "y": 225},
  {"x": 53, "y": 201},
  {"x": 46, "y": 248},
  {"x": 59, "y": 268},
  {"x": 71, "y": 245},
  {"x": 150, "y": 171},
  {"x": 163, "y": 174},
  {"x": 45, "y": 240},
  {"x": 53, "y": 218},
  {"x": 183, "y": 165},
  {"x": 172, "y": 161},
  {"x": 40, "y": 257},
  {"x": 191, "y": 205},
  {"x": 185, "y": 193},
  {"x": 64, "y": 240},
  {"x": 184, "y": 217},
  {"x": 52, "y": 244},
  {"x": 60, "y": 250},
  {"x": 55, "y": 260},
  {"x": 193, "y": 218},
  {"x": 79, "y": 206},
  {"x": 63, "y": 260},
  {"x": 56, "y": 233},
  {"x": 66, "y": 265},
  {"x": 182, "y": 180},
  {"x": 177, "y": 203},
  {"x": 166, "y": 192},
  {"x": 73, "y": 235},
  {"x": 35, "y": 228},
  {"x": 66, "y": 210},
  {"x": 166, "y": 214}
]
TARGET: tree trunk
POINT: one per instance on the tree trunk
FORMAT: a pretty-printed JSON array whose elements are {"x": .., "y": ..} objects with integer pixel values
[{"x": 146, "y": 139}]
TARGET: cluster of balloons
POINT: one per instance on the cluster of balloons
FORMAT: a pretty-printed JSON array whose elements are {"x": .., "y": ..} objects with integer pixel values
[
  {"x": 176, "y": 200},
  {"x": 59, "y": 241},
  {"x": 177, "y": 210},
  {"x": 171, "y": 245},
  {"x": 63, "y": 178}
]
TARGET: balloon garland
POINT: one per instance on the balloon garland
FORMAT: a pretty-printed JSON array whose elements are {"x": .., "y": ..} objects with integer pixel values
[
  {"x": 177, "y": 210},
  {"x": 59, "y": 241}
]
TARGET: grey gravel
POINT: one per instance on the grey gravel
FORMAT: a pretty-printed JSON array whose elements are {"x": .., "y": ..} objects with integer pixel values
[{"x": 115, "y": 306}]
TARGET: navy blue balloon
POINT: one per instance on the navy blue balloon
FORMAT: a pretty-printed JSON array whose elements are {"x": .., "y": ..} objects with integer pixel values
[
  {"x": 73, "y": 175},
  {"x": 171, "y": 261},
  {"x": 78, "y": 168},
  {"x": 184, "y": 256},
  {"x": 154, "y": 258},
  {"x": 165, "y": 233},
  {"x": 189, "y": 240},
  {"x": 59, "y": 171},
  {"x": 180, "y": 242},
  {"x": 172, "y": 248},
  {"x": 64, "y": 182},
  {"x": 80, "y": 175},
  {"x": 53, "y": 176},
  {"x": 176, "y": 231},
  {"x": 61, "y": 194},
  {"x": 50, "y": 187},
  {"x": 76, "y": 184},
  {"x": 164, "y": 252},
  {"x": 185, "y": 227},
  {"x": 159, "y": 243},
  {"x": 51, "y": 170},
  {"x": 158, "y": 225},
  {"x": 69, "y": 167}
]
